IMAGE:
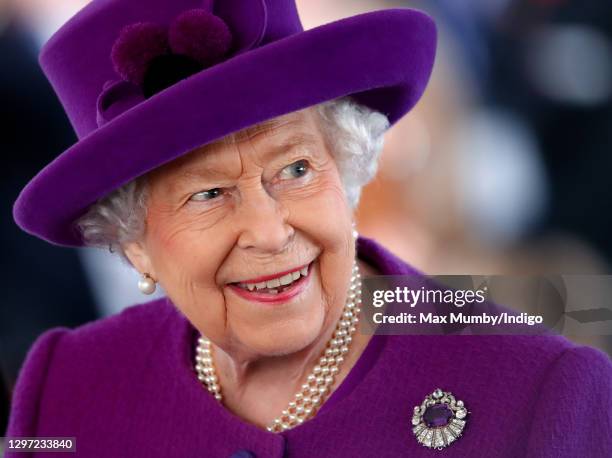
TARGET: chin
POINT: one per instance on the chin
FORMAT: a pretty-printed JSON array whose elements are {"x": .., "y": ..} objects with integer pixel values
[{"x": 287, "y": 337}]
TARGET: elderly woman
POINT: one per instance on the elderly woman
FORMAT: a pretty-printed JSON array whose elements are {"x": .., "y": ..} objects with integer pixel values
[{"x": 222, "y": 150}]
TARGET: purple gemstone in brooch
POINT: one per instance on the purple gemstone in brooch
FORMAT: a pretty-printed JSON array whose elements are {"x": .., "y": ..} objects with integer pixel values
[
  {"x": 439, "y": 420},
  {"x": 437, "y": 415}
]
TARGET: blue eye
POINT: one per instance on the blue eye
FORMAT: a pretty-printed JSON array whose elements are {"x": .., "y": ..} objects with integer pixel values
[
  {"x": 206, "y": 195},
  {"x": 296, "y": 170}
]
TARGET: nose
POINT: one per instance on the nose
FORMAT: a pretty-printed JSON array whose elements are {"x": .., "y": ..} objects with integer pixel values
[{"x": 263, "y": 223}]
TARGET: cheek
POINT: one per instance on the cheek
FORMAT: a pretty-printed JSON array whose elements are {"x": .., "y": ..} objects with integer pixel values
[
  {"x": 181, "y": 242},
  {"x": 186, "y": 259},
  {"x": 325, "y": 218}
]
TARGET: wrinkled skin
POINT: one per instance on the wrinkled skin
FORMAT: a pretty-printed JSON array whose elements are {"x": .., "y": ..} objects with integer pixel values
[{"x": 226, "y": 213}]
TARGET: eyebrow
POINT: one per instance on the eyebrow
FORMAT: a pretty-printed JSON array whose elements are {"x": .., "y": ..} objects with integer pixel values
[
  {"x": 291, "y": 142},
  {"x": 286, "y": 145}
]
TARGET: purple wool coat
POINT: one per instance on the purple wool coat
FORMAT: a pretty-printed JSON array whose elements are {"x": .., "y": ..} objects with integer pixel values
[{"x": 125, "y": 386}]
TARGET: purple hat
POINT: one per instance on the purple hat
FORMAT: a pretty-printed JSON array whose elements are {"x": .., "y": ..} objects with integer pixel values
[{"x": 146, "y": 81}]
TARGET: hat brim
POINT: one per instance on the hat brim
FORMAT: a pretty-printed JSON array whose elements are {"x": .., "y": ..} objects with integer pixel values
[{"x": 384, "y": 59}]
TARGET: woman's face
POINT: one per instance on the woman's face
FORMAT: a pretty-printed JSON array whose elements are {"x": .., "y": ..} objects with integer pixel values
[{"x": 229, "y": 224}]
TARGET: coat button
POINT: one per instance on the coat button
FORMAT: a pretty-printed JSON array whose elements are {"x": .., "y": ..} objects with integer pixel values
[{"x": 243, "y": 454}]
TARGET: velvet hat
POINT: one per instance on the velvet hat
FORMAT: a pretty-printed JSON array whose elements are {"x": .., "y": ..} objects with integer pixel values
[{"x": 146, "y": 81}]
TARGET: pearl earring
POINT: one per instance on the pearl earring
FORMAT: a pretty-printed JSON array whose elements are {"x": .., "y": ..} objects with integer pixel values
[
  {"x": 146, "y": 284},
  {"x": 355, "y": 233}
]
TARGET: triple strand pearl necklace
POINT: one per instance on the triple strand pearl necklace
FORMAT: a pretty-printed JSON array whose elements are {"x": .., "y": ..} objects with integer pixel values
[{"x": 318, "y": 383}]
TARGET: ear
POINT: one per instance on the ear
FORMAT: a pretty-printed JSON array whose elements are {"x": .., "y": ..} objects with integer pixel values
[{"x": 137, "y": 254}]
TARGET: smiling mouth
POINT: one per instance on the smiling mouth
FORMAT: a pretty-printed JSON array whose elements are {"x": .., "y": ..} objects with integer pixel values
[{"x": 277, "y": 284}]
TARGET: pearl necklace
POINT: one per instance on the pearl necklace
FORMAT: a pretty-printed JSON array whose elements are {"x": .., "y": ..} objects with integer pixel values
[{"x": 318, "y": 383}]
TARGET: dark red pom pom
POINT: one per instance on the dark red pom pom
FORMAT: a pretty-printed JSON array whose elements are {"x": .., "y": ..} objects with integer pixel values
[
  {"x": 137, "y": 45},
  {"x": 200, "y": 35}
]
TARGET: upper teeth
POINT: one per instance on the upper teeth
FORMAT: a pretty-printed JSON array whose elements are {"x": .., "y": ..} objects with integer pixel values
[{"x": 285, "y": 280}]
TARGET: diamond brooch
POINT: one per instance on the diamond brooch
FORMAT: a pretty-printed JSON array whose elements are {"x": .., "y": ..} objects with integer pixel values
[{"x": 439, "y": 420}]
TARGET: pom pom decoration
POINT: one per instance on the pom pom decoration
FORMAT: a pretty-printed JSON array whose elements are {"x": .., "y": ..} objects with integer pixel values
[
  {"x": 155, "y": 57},
  {"x": 200, "y": 35},
  {"x": 137, "y": 45}
]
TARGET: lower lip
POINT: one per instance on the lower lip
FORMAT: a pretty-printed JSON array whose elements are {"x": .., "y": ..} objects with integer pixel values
[{"x": 296, "y": 288}]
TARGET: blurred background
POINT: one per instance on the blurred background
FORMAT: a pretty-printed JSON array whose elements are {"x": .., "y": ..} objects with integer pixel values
[{"x": 502, "y": 168}]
